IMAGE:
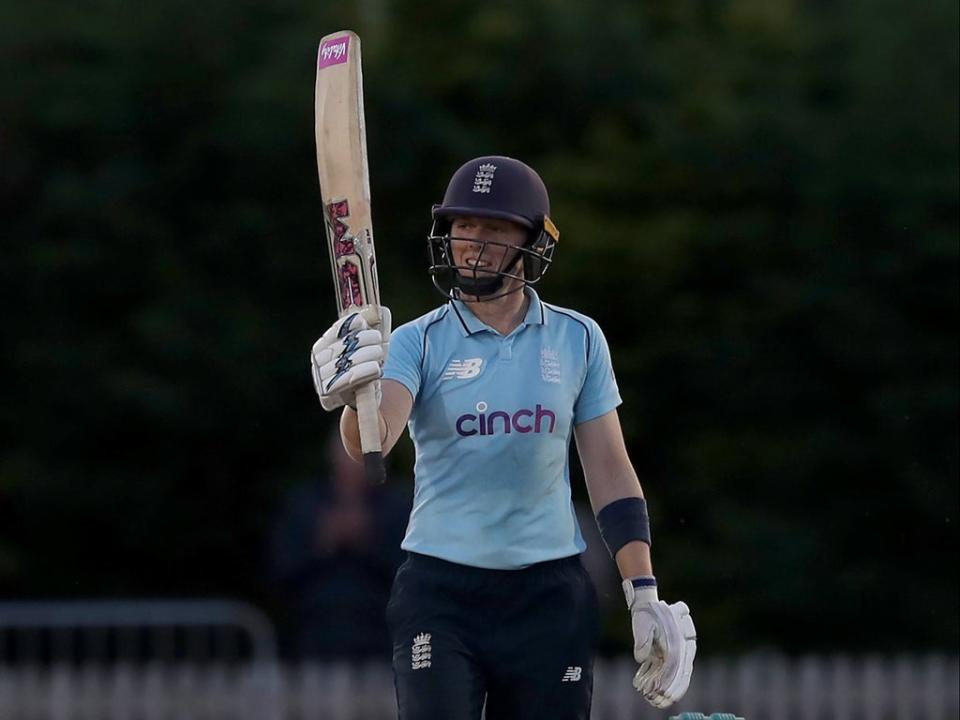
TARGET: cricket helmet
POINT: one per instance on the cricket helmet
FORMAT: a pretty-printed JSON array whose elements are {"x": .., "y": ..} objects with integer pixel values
[{"x": 501, "y": 188}]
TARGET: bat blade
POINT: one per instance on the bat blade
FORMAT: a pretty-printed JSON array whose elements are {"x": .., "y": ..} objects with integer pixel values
[{"x": 345, "y": 191}]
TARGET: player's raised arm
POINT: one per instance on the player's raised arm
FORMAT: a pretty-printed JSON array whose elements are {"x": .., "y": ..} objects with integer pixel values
[
  {"x": 664, "y": 635},
  {"x": 348, "y": 357},
  {"x": 395, "y": 407}
]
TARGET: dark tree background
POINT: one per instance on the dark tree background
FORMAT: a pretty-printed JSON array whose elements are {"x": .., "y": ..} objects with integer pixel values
[{"x": 758, "y": 202}]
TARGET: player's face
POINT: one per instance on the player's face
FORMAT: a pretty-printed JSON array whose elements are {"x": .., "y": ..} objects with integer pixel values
[{"x": 486, "y": 245}]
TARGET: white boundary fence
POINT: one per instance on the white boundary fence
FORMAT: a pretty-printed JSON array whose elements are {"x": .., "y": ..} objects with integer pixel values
[
  {"x": 216, "y": 660},
  {"x": 756, "y": 687},
  {"x": 133, "y": 631}
]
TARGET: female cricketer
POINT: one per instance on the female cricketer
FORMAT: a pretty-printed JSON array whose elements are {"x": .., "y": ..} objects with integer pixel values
[{"x": 492, "y": 606}]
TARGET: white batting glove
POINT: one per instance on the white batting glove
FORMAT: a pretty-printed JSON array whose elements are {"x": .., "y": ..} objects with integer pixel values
[
  {"x": 348, "y": 355},
  {"x": 665, "y": 643}
]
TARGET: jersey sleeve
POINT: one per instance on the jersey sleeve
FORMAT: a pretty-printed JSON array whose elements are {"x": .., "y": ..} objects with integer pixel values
[
  {"x": 599, "y": 393},
  {"x": 403, "y": 362}
]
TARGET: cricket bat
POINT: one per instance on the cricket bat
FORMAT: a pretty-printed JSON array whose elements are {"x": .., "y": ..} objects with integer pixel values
[{"x": 345, "y": 191}]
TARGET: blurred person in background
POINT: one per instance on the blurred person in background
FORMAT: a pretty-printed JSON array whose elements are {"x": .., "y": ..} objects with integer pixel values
[
  {"x": 334, "y": 551},
  {"x": 493, "y": 606}
]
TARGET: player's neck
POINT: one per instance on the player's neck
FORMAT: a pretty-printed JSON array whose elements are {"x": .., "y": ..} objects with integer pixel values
[{"x": 504, "y": 314}]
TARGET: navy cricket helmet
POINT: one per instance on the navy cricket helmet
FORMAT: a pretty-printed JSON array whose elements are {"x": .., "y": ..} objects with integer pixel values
[{"x": 500, "y": 188}]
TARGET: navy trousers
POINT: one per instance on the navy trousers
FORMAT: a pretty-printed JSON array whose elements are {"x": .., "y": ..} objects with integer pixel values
[{"x": 520, "y": 641}]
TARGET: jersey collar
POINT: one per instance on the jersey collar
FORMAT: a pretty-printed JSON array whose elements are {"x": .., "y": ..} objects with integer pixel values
[{"x": 470, "y": 324}]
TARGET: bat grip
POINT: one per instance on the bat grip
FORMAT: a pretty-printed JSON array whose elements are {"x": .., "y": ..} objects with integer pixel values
[{"x": 368, "y": 419}]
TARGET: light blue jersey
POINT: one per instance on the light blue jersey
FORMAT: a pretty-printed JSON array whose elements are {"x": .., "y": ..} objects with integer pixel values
[{"x": 491, "y": 423}]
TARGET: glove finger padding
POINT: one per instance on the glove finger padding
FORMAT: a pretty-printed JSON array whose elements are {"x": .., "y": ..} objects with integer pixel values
[
  {"x": 646, "y": 675},
  {"x": 323, "y": 354},
  {"x": 340, "y": 372},
  {"x": 679, "y": 640},
  {"x": 664, "y": 645},
  {"x": 348, "y": 355}
]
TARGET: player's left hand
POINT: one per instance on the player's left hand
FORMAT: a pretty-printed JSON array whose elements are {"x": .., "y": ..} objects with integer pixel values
[
  {"x": 350, "y": 354},
  {"x": 665, "y": 643}
]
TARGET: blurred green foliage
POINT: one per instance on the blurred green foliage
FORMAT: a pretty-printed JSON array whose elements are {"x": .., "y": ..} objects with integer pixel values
[{"x": 758, "y": 202}]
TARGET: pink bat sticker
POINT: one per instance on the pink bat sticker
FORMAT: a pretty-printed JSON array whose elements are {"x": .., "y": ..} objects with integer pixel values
[
  {"x": 333, "y": 51},
  {"x": 343, "y": 243},
  {"x": 350, "y": 292}
]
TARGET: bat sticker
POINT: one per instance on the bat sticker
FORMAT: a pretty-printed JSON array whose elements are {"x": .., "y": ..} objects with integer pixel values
[
  {"x": 343, "y": 243},
  {"x": 345, "y": 252},
  {"x": 333, "y": 52},
  {"x": 350, "y": 290}
]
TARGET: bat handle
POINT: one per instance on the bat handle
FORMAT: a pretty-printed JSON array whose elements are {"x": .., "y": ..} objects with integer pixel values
[{"x": 368, "y": 418}]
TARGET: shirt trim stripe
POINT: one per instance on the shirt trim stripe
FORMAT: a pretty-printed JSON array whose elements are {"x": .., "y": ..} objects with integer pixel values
[
  {"x": 423, "y": 352},
  {"x": 466, "y": 329},
  {"x": 582, "y": 324}
]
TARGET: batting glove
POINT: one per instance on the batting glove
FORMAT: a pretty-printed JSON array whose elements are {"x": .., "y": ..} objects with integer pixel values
[
  {"x": 665, "y": 643},
  {"x": 348, "y": 355}
]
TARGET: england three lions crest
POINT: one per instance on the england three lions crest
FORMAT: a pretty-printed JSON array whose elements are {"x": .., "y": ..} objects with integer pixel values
[{"x": 550, "y": 365}]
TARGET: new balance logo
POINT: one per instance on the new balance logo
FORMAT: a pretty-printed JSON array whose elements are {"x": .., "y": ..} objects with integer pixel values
[
  {"x": 462, "y": 369},
  {"x": 572, "y": 674},
  {"x": 421, "y": 652}
]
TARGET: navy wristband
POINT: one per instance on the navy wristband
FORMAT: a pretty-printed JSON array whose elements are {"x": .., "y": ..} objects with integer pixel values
[{"x": 624, "y": 521}]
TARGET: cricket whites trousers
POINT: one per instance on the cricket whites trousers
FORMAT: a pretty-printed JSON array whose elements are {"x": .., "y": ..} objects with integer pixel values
[{"x": 521, "y": 640}]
